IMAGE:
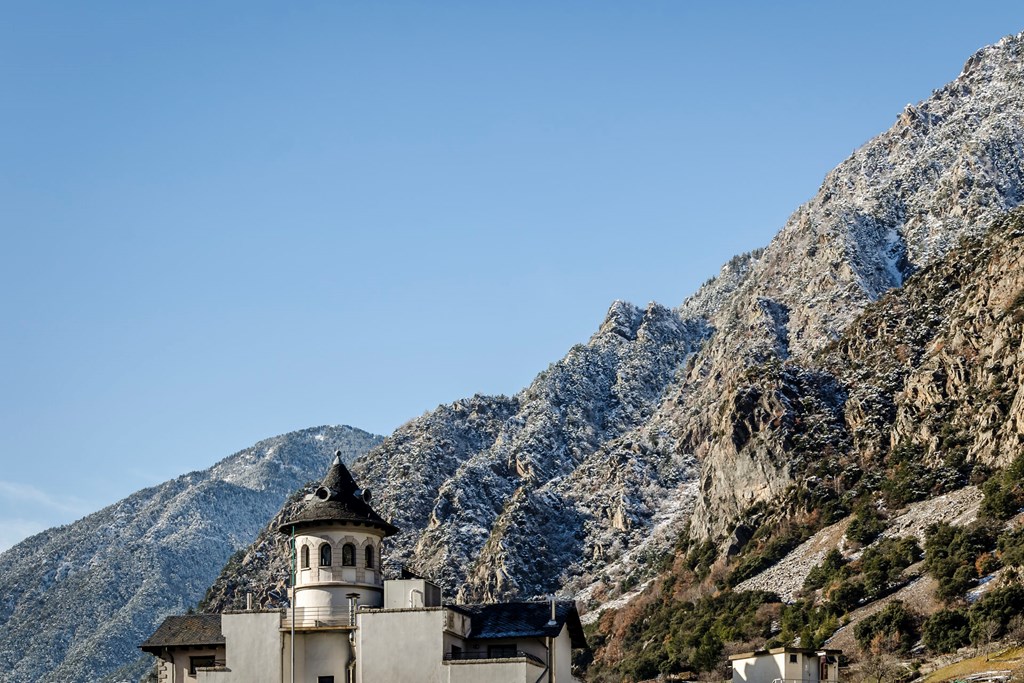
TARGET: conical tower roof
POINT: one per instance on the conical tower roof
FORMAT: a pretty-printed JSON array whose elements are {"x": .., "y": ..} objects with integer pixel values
[{"x": 338, "y": 500}]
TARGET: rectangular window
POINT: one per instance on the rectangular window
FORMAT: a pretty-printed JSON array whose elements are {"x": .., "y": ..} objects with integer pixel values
[
  {"x": 501, "y": 651},
  {"x": 193, "y": 662},
  {"x": 792, "y": 659},
  {"x": 325, "y": 679}
]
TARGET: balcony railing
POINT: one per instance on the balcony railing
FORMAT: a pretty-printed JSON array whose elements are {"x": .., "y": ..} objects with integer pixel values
[
  {"x": 338, "y": 574},
  {"x": 316, "y": 617},
  {"x": 518, "y": 654}
]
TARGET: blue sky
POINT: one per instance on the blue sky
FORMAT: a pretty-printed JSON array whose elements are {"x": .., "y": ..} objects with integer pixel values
[{"x": 225, "y": 221}]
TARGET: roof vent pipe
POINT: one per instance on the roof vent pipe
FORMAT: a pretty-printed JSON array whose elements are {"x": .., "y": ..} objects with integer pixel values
[{"x": 554, "y": 618}]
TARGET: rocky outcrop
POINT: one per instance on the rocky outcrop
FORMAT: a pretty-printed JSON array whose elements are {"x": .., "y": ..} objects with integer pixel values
[
  {"x": 504, "y": 495},
  {"x": 949, "y": 166}
]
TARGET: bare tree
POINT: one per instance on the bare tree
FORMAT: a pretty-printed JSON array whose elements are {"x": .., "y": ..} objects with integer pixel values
[
  {"x": 989, "y": 629},
  {"x": 879, "y": 664},
  {"x": 1015, "y": 629}
]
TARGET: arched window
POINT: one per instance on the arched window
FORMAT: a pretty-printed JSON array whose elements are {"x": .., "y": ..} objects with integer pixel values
[
  {"x": 369, "y": 557},
  {"x": 348, "y": 555},
  {"x": 325, "y": 555},
  {"x": 305, "y": 557}
]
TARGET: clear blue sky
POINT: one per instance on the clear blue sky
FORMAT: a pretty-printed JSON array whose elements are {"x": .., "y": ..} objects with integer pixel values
[{"x": 224, "y": 221}]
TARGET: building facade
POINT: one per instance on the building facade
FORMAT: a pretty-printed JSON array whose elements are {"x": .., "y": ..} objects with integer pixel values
[
  {"x": 786, "y": 665},
  {"x": 348, "y": 625}
]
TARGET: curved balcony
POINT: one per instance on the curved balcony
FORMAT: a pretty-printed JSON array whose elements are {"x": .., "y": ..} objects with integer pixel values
[{"x": 340, "y": 575}]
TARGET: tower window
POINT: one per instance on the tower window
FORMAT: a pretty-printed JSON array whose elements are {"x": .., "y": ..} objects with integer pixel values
[
  {"x": 304, "y": 562},
  {"x": 325, "y": 555},
  {"x": 348, "y": 555},
  {"x": 369, "y": 557}
]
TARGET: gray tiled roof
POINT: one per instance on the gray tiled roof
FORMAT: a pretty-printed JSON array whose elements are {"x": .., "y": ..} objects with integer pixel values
[
  {"x": 188, "y": 629},
  {"x": 524, "y": 620},
  {"x": 336, "y": 500}
]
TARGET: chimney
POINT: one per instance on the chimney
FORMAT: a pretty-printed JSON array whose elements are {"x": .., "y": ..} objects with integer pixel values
[
  {"x": 248, "y": 602},
  {"x": 554, "y": 618},
  {"x": 353, "y": 605}
]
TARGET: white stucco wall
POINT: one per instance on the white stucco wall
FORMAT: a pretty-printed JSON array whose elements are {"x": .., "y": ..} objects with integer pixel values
[
  {"x": 411, "y": 593},
  {"x": 493, "y": 671},
  {"x": 404, "y": 645},
  {"x": 563, "y": 657},
  {"x": 762, "y": 669},
  {"x": 767, "y": 667},
  {"x": 252, "y": 649},
  {"x": 317, "y": 653}
]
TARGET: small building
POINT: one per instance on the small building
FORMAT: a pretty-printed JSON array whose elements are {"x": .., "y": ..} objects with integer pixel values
[
  {"x": 786, "y": 665},
  {"x": 348, "y": 625}
]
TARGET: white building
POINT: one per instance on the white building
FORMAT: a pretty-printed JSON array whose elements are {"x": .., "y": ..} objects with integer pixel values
[
  {"x": 786, "y": 665},
  {"x": 348, "y": 625}
]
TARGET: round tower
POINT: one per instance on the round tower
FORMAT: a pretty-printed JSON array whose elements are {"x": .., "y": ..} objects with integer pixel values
[{"x": 337, "y": 549}]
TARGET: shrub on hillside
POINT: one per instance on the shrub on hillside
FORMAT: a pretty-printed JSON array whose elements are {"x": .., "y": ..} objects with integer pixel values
[
  {"x": 991, "y": 615},
  {"x": 894, "y": 623},
  {"x": 812, "y": 624},
  {"x": 832, "y": 568},
  {"x": 946, "y": 631},
  {"x": 884, "y": 562},
  {"x": 951, "y": 554},
  {"x": 845, "y": 595},
  {"x": 866, "y": 524},
  {"x": 1011, "y": 548},
  {"x": 1004, "y": 491}
]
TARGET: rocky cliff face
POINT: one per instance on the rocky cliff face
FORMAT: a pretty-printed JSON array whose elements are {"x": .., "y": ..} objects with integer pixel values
[
  {"x": 78, "y": 599},
  {"x": 919, "y": 397},
  {"x": 947, "y": 167},
  {"x": 694, "y": 417}
]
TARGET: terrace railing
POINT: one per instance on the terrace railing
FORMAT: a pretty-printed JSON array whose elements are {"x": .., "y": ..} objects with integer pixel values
[{"x": 315, "y": 617}]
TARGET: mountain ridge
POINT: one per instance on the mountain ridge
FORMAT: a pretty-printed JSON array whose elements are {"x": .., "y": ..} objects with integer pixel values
[
  {"x": 710, "y": 422},
  {"x": 79, "y": 598},
  {"x": 586, "y": 469}
]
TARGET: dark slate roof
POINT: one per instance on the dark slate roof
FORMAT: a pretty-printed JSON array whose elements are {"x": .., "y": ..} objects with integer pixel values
[
  {"x": 524, "y": 620},
  {"x": 337, "y": 499},
  {"x": 188, "y": 629}
]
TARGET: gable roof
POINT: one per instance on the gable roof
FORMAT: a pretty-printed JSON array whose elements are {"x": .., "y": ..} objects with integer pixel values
[
  {"x": 524, "y": 620},
  {"x": 185, "y": 630},
  {"x": 337, "y": 500}
]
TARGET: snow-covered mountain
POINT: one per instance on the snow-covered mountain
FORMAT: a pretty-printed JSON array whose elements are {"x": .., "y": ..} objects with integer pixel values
[
  {"x": 700, "y": 422},
  {"x": 690, "y": 418},
  {"x": 77, "y": 600},
  {"x": 581, "y": 476}
]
